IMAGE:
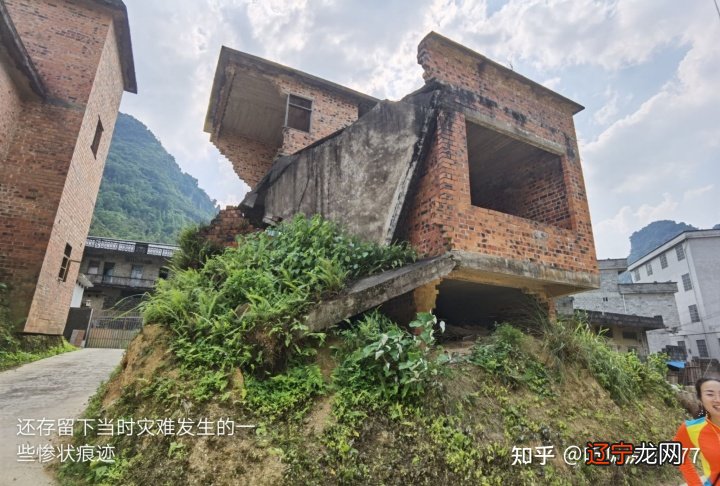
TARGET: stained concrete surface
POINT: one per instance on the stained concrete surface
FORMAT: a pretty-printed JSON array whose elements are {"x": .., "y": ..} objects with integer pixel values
[{"x": 52, "y": 388}]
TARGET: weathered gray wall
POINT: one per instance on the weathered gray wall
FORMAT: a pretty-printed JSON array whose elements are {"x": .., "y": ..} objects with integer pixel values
[{"x": 358, "y": 177}]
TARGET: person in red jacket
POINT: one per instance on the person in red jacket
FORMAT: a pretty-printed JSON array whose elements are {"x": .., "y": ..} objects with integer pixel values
[{"x": 703, "y": 433}]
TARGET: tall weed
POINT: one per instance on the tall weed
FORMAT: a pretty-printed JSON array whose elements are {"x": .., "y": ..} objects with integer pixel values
[{"x": 244, "y": 307}]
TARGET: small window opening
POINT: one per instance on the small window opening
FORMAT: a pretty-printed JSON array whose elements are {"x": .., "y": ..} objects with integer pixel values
[
  {"x": 298, "y": 113},
  {"x": 630, "y": 335},
  {"x": 65, "y": 266},
  {"x": 96, "y": 139}
]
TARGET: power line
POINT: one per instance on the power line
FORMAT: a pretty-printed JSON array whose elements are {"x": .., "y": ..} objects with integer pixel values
[{"x": 717, "y": 8}]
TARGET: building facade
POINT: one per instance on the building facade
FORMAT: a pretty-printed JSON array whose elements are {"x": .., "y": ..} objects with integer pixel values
[
  {"x": 692, "y": 259},
  {"x": 631, "y": 312},
  {"x": 481, "y": 163},
  {"x": 121, "y": 269},
  {"x": 63, "y": 68}
]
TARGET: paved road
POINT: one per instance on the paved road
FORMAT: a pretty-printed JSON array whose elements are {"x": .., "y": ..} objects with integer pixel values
[{"x": 52, "y": 388}]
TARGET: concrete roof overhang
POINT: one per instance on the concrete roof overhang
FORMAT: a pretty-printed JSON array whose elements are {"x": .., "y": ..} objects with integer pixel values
[{"x": 245, "y": 102}]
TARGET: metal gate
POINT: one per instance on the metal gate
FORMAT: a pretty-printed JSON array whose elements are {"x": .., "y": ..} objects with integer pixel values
[{"x": 113, "y": 329}]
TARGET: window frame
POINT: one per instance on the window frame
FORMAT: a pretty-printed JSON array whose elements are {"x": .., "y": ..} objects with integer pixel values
[
  {"x": 65, "y": 264},
  {"x": 680, "y": 252},
  {"x": 289, "y": 104},
  {"x": 694, "y": 313},
  {"x": 663, "y": 261},
  {"x": 95, "y": 145},
  {"x": 686, "y": 281},
  {"x": 97, "y": 267},
  {"x": 630, "y": 335},
  {"x": 702, "y": 354},
  {"x": 649, "y": 269}
]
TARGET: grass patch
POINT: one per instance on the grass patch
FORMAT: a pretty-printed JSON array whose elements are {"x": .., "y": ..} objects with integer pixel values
[{"x": 11, "y": 359}]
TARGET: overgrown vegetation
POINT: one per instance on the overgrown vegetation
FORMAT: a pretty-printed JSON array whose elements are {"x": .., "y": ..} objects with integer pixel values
[
  {"x": 13, "y": 351},
  {"x": 16, "y": 358},
  {"x": 245, "y": 307},
  {"x": 622, "y": 374},
  {"x": 371, "y": 403},
  {"x": 505, "y": 358}
]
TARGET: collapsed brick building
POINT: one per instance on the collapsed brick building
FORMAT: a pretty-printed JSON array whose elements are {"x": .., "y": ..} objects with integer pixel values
[
  {"x": 478, "y": 168},
  {"x": 63, "y": 68}
]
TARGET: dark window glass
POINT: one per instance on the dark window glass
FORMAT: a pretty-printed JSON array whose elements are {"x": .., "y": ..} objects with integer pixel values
[
  {"x": 298, "y": 113},
  {"x": 96, "y": 139},
  {"x": 65, "y": 265}
]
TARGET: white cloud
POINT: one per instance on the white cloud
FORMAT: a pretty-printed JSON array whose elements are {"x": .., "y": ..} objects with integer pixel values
[{"x": 664, "y": 145}]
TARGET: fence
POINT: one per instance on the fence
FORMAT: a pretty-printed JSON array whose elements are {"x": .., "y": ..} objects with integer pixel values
[{"x": 111, "y": 329}]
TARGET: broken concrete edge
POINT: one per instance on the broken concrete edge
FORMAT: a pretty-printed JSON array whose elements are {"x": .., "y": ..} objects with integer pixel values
[
  {"x": 370, "y": 292},
  {"x": 232, "y": 57},
  {"x": 411, "y": 176},
  {"x": 521, "y": 274},
  {"x": 258, "y": 203}
]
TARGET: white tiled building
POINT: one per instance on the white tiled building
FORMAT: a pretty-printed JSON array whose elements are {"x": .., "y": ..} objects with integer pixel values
[
  {"x": 630, "y": 312},
  {"x": 692, "y": 259}
]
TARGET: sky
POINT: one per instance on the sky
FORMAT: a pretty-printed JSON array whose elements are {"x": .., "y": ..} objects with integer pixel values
[{"x": 647, "y": 72}]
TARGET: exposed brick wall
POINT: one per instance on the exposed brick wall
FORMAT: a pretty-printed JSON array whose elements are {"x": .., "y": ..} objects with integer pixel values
[
  {"x": 250, "y": 159},
  {"x": 10, "y": 107},
  {"x": 442, "y": 216},
  {"x": 330, "y": 113},
  {"x": 229, "y": 223},
  {"x": 64, "y": 40},
  {"x": 51, "y": 178}
]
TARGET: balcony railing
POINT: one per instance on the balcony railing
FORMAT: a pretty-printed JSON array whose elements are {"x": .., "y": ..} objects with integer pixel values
[
  {"x": 118, "y": 281},
  {"x": 131, "y": 246}
]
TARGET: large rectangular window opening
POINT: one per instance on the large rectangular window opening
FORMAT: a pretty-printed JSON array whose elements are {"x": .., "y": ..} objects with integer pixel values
[
  {"x": 298, "y": 114},
  {"x": 514, "y": 177}
]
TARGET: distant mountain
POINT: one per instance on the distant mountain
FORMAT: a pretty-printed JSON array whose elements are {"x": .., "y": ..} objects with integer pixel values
[
  {"x": 717, "y": 226},
  {"x": 144, "y": 195},
  {"x": 653, "y": 235}
]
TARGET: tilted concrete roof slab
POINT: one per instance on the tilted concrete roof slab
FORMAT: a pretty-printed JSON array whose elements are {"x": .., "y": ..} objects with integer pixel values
[
  {"x": 358, "y": 177},
  {"x": 372, "y": 291}
]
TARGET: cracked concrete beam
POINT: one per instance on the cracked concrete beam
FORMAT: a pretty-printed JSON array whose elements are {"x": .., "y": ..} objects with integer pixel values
[{"x": 372, "y": 291}]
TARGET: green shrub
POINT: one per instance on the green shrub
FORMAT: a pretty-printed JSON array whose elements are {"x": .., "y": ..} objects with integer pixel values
[
  {"x": 195, "y": 250},
  {"x": 390, "y": 360},
  {"x": 287, "y": 395},
  {"x": 504, "y": 357},
  {"x": 245, "y": 307},
  {"x": 622, "y": 374}
]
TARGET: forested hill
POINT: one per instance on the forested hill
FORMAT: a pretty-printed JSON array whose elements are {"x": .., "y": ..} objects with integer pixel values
[
  {"x": 653, "y": 235},
  {"x": 144, "y": 195}
]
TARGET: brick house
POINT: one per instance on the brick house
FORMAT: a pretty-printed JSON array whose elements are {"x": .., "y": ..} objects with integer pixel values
[
  {"x": 63, "y": 68},
  {"x": 481, "y": 164},
  {"x": 122, "y": 269}
]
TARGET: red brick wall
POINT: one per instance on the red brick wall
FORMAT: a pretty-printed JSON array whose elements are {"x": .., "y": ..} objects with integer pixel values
[
  {"x": 51, "y": 178},
  {"x": 442, "y": 216},
  {"x": 330, "y": 112},
  {"x": 250, "y": 159},
  {"x": 229, "y": 223},
  {"x": 10, "y": 107}
]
